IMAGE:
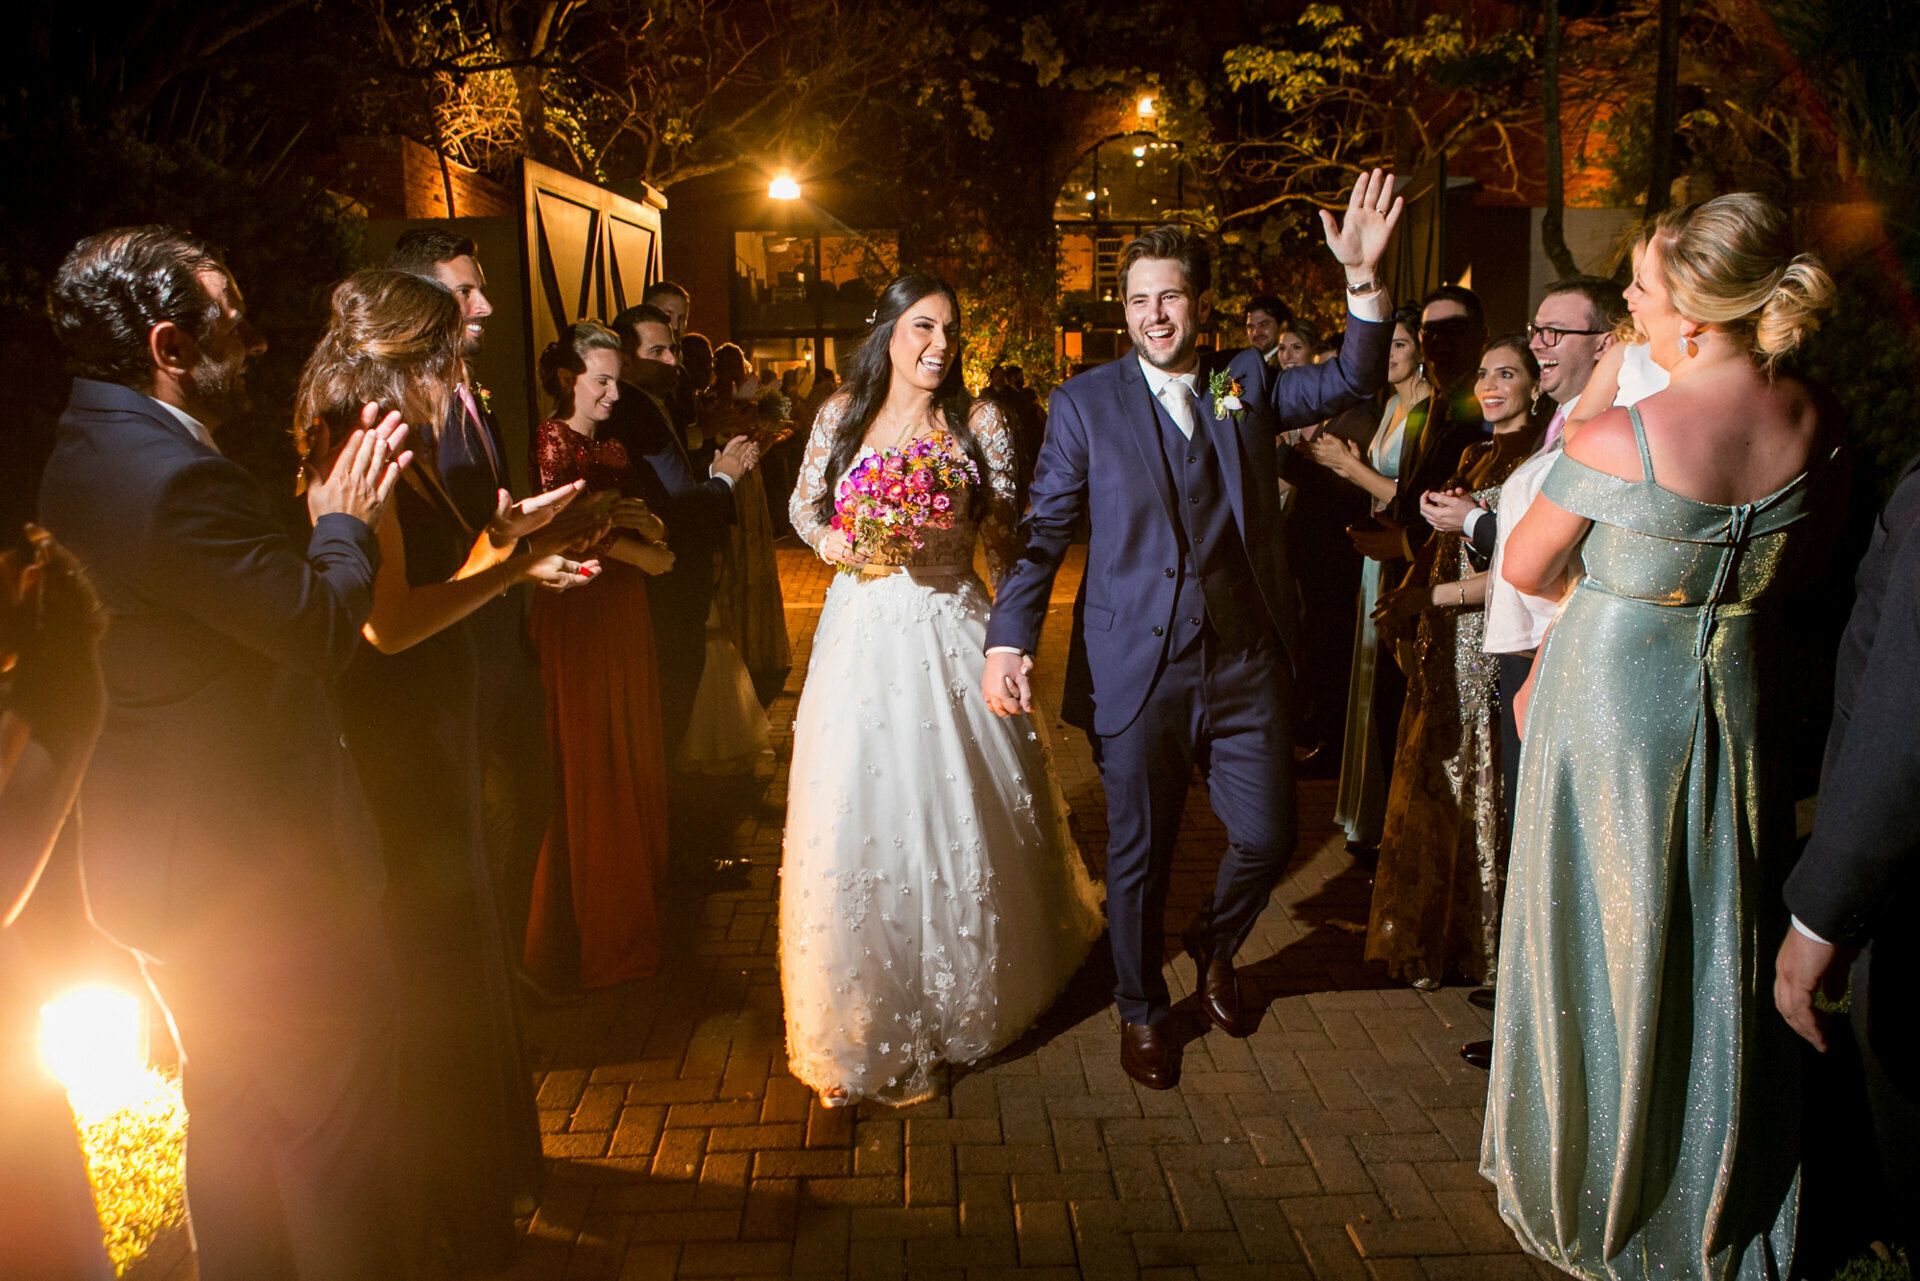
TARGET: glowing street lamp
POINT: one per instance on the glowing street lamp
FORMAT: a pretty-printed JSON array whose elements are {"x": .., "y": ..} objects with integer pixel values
[
  {"x": 783, "y": 187},
  {"x": 1148, "y": 108}
]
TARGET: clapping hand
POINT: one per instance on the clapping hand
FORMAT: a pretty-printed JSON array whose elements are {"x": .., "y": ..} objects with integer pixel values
[
  {"x": 363, "y": 473},
  {"x": 1372, "y": 212},
  {"x": 513, "y": 521},
  {"x": 635, "y": 515},
  {"x": 737, "y": 459},
  {"x": 1377, "y": 540},
  {"x": 1400, "y": 604},
  {"x": 1336, "y": 453},
  {"x": 1447, "y": 509}
]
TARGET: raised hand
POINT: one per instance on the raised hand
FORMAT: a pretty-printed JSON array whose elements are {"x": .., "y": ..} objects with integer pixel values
[
  {"x": 1372, "y": 212},
  {"x": 364, "y": 472}
]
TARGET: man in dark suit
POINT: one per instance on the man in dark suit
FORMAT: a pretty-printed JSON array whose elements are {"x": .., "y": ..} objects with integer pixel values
[
  {"x": 1184, "y": 632},
  {"x": 697, "y": 510},
  {"x": 225, "y": 839},
  {"x": 1856, "y": 889},
  {"x": 471, "y": 459}
]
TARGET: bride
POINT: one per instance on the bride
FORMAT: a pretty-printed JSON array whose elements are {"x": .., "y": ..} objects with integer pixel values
[{"x": 932, "y": 904}]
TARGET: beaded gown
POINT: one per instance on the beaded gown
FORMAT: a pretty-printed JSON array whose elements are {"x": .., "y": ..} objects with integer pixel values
[
  {"x": 932, "y": 902},
  {"x": 1436, "y": 892},
  {"x": 1642, "y": 1114}
]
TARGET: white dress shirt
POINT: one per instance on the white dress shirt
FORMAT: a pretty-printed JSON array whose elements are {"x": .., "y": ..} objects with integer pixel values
[{"x": 195, "y": 428}]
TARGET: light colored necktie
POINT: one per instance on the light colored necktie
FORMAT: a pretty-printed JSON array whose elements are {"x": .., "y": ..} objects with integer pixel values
[
  {"x": 1178, "y": 399},
  {"x": 1556, "y": 427}
]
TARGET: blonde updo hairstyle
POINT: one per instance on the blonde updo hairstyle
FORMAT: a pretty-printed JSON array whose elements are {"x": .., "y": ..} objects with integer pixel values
[
  {"x": 1730, "y": 263},
  {"x": 392, "y": 338},
  {"x": 569, "y": 352}
]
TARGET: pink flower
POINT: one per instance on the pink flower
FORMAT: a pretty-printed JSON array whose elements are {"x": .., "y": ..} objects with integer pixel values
[{"x": 941, "y": 502}]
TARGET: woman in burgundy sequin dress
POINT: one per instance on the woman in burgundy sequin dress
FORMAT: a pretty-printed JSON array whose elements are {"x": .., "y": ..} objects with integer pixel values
[{"x": 599, "y": 892}]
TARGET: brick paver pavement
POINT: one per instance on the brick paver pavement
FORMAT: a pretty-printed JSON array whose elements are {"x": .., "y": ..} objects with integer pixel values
[{"x": 1339, "y": 1141}]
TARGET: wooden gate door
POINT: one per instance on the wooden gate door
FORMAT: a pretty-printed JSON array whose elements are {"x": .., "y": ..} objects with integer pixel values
[{"x": 590, "y": 253}]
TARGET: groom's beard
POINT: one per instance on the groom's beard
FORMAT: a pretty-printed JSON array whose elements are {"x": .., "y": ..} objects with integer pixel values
[{"x": 1178, "y": 355}]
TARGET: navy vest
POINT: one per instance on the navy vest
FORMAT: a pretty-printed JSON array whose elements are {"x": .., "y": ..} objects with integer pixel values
[{"x": 1217, "y": 587}]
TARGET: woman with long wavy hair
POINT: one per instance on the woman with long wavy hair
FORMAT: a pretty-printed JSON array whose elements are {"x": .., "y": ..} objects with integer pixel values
[
  {"x": 409, "y": 707},
  {"x": 932, "y": 902}
]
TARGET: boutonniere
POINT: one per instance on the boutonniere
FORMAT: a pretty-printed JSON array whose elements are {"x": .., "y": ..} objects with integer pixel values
[
  {"x": 1225, "y": 389},
  {"x": 482, "y": 395}
]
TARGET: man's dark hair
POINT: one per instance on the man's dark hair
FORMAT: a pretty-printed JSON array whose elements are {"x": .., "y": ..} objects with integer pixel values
[
  {"x": 1281, "y": 313},
  {"x": 113, "y": 289},
  {"x": 420, "y": 249},
  {"x": 1603, "y": 296},
  {"x": 627, "y": 324},
  {"x": 661, "y": 288},
  {"x": 1177, "y": 243},
  {"x": 1460, "y": 294}
]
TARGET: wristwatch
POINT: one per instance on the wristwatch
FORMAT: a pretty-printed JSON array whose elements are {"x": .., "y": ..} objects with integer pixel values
[{"x": 1365, "y": 287}]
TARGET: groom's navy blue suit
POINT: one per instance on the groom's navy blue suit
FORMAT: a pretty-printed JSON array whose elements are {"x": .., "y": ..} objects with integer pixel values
[{"x": 1185, "y": 628}]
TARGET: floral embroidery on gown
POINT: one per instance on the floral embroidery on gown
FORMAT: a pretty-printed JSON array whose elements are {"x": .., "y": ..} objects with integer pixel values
[{"x": 932, "y": 902}]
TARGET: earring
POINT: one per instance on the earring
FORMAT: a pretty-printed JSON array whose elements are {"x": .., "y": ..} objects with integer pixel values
[{"x": 1688, "y": 347}]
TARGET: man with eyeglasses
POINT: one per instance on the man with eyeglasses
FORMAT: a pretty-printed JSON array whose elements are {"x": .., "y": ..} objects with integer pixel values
[{"x": 1572, "y": 328}]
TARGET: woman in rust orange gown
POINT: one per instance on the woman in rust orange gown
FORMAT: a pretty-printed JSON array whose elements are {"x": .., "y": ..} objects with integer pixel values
[{"x": 599, "y": 891}]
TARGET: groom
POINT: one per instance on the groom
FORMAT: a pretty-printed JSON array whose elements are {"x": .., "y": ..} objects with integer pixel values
[{"x": 1184, "y": 632}]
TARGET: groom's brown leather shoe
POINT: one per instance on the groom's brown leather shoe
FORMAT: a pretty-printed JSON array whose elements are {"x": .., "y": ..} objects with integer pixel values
[
  {"x": 1149, "y": 1056},
  {"x": 1219, "y": 987}
]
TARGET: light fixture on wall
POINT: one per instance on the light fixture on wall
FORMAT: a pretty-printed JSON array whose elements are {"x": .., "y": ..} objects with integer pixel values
[
  {"x": 783, "y": 187},
  {"x": 1148, "y": 107}
]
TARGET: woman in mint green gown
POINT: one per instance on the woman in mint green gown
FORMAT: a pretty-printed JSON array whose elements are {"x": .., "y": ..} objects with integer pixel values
[{"x": 1642, "y": 1119}]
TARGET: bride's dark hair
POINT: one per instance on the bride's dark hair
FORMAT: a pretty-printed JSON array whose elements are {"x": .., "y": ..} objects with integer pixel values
[{"x": 869, "y": 375}]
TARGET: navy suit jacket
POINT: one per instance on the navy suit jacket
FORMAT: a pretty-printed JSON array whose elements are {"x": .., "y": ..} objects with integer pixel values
[
  {"x": 1860, "y": 875},
  {"x": 221, "y": 809},
  {"x": 696, "y": 509},
  {"x": 1102, "y": 459}
]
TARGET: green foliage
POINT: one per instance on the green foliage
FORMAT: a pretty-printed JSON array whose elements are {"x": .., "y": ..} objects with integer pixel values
[{"x": 1871, "y": 1267}]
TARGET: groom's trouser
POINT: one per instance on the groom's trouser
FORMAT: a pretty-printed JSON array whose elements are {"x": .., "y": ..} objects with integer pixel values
[{"x": 1227, "y": 712}]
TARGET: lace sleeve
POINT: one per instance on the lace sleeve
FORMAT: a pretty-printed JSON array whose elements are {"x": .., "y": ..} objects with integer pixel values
[
  {"x": 555, "y": 463},
  {"x": 808, "y": 487},
  {"x": 999, "y": 527}
]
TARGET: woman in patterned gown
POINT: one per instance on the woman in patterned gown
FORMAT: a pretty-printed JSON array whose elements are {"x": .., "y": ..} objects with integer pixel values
[
  {"x": 1642, "y": 1117},
  {"x": 932, "y": 903},
  {"x": 1436, "y": 893}
]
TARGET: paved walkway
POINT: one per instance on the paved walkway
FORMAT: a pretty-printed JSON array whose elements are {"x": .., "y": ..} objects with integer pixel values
[{"x": 1338, "y": 1141}]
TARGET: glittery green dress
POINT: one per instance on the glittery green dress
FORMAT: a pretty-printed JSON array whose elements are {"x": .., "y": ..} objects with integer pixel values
[{"x": 1642, "y": 1118}]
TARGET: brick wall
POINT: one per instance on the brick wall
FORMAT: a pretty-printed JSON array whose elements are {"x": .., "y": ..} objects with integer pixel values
[{"x": 394, "y": 177}]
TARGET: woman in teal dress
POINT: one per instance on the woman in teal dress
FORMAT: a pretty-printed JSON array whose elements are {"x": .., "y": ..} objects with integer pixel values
[{"x": 1642, "y": 1116}]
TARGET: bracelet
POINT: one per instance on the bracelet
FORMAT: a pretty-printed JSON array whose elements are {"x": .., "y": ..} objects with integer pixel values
[
  {"x": 1367, "y": 286},
  {"x": 1463, "y": 594}
]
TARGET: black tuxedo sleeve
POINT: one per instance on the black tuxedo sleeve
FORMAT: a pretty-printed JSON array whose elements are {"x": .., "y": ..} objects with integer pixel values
[
  {"x": 692, "y": 506},
  {"x": 216, "y": 551},
  {"x": 1866, "y": 836},
  {"x": 1486, "y": 531}
]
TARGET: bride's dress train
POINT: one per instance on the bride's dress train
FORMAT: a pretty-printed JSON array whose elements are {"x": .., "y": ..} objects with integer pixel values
[{"x": 932, "y": 902}]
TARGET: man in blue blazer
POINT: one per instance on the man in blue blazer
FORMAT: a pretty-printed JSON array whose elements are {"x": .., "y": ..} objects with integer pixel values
[
  {"x": 1184, "y": 631},
  {"x": 224, "y": 837}
]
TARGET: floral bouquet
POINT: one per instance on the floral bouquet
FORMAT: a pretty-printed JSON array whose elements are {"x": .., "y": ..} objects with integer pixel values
[{"x": 892, "y": 498}]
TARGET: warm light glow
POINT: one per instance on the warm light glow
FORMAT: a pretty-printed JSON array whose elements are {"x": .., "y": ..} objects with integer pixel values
[
  {"x": 1139, "y": 151},
  {"x": 783, "y": 187},
  {"x": 1147, "y": 107},
  {"x": 90, "y": 1040}
]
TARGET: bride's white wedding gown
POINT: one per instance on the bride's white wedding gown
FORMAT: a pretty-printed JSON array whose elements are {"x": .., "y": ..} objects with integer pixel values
[{"x": 932, "y": 903}]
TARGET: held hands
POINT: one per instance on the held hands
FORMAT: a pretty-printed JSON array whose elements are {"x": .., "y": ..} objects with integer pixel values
[
  {"x": 1005, "y": 685},
  {"x": 1802, "y": 968},
  {"x": 737, "y": 459},
  {"x": 365, "y": 470},
  {"x": 1402, "y": 604},
  {"x": 1447, "y": 509},
  {"x": 1372, "y": 212}
]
